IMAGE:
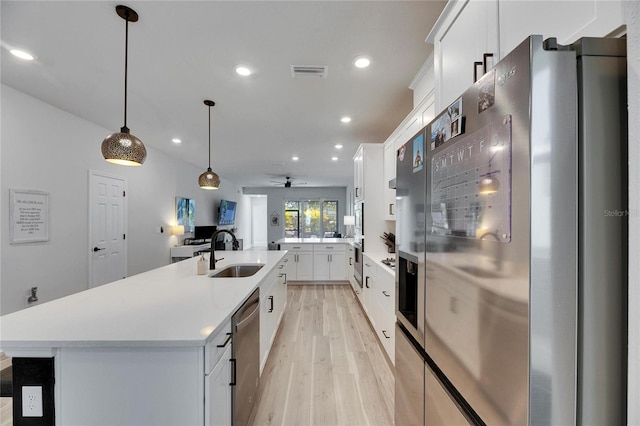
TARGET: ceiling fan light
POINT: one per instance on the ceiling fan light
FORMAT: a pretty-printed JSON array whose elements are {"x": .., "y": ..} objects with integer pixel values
[
  {"x": 124, "y": 149},
  {"x": 209, "y": 180}
]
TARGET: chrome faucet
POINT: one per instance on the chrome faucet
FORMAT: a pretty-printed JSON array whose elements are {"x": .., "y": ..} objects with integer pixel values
[{"x": 212, "y": 257}]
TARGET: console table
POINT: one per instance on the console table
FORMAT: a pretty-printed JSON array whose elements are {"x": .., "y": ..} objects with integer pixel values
[{"x": 187, "y": 251}]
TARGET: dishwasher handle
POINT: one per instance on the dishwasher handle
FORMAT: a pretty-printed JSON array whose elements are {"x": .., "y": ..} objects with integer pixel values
[{"x": 240, "y": 325}]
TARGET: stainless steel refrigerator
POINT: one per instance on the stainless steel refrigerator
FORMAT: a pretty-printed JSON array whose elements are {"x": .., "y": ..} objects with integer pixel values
[{"x": 511, "y": 246}]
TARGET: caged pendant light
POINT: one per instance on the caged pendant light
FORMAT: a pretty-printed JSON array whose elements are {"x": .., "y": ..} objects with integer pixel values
[
  {"x": 209, "y": 179},
  {"x": 123, "y": 148}
]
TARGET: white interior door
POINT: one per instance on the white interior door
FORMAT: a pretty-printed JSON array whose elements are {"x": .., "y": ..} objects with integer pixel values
[
  {"x": 259, "y": 222},
  {"x": 107, "y": 235}
]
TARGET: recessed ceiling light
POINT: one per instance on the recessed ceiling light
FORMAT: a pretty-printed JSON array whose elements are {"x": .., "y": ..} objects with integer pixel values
[
  {"x": 337, "y": 146},
  {"x": 346, "y": 119},
  {"x": 295, "y": 158},
  {"x": 22, "y": 54},
  {"x": 243, "y": 71},
  {"x": 334, "y": 158},
  {"x": 361, "y": 62},
  {"x": 176, "y": 140}
]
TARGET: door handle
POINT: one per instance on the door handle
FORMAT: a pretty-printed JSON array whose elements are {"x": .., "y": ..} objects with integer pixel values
[
  {"x": 366, "y": 282},
  {"x": 226, "y": 342},
  {"x": 484, "y": 61},
  {"x": 385, "y": 334},
  {"x": 271, "y": 303},
  {"x": 233, "y": 372},
  {"x": 350, "y": 264},
  {"x": 98, "y": 249},
  {"x": 475, "y": 70},
  {"x": 386, "y": 294}
]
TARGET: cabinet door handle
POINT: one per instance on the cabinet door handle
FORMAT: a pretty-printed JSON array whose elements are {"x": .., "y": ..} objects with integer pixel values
[
  {"x": 384, "y": 332},
  {"x": 391, "y": 205},
  {"x": 350, "y": 264},
  {"x": 98, "y": 249},
  {"x": 366, "y": 282},
  {"x": 285, "y": 278},
  {"x": 386, "y": 294},
  {"x": 280, "y": 266},
  {"x": 357, "y": 194},
  {"x": 226, "y": 342},
  {"x": 233, "y": 372},
  {"x": 271, "y": 303},
  {"x": 484, "y": 61},
  {"x": 286, "y": 260},
  {"x": 475, "y": 70}
]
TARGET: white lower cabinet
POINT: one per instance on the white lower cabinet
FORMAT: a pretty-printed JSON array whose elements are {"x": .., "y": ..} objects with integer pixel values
[
  {"x": 218, "y": 391},
  {"x": 329, "y": 262},
  {"x": 217, "y": 379},
  {"x": 273, "y": 301},
  {"x": 378, "y": 301},
  {"x": 299, "y": 261}
]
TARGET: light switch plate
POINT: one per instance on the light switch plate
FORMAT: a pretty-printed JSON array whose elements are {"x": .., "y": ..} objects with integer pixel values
[{"x": 32, "y": 401}]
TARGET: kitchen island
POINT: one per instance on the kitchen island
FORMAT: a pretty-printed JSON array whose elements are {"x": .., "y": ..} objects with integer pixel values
[{"x": 137, "y": 351}]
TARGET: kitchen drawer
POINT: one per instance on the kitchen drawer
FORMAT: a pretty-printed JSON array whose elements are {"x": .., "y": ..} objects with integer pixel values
[
  {"x": 386, "y": 333},
  {"x": 296, "y": 247},
  {"x": 216, "y": 347},
  {"x": 328, "y": 247},
  {"x": 386, "y": 286}
]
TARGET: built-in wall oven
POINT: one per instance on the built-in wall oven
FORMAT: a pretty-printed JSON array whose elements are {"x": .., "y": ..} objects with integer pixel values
[{"x": 357, "y": 264}]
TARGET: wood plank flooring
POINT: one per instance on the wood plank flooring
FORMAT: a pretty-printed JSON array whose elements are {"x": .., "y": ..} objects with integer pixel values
[{"x": 326, "y": 366}]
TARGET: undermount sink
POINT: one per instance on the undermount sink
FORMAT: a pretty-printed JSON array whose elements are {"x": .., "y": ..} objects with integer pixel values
[
  {"x": 479, "y": 272},
  {"x": 237, "y": 271}
]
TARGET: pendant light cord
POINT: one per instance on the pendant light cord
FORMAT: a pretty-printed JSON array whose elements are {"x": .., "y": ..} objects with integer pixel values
[
  {"x": 209, "y": 137},
  {"x": 126, "y": 63}
]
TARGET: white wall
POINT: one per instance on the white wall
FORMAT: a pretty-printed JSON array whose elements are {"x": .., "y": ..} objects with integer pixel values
[
  {"x": 47, "y": 149},
  {"x": 632, "y": 14},
  {"x": 276, "y": 197}
]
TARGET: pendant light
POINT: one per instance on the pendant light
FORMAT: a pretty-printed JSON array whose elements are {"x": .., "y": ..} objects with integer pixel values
[
  {"x": 123, "y": 148},
  {"x": 209, "y": 179}
]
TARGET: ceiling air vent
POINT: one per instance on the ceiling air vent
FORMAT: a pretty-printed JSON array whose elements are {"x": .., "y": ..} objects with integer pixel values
[{"x": 309, "y": 71}]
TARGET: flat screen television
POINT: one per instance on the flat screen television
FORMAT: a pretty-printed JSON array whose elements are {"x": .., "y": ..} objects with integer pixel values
[{"x": 227, "y": 212}]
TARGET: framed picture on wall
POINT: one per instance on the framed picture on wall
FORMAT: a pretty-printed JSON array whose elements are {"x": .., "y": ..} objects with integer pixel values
[
  {"x": 29, "y": 216},
  {"x": 186, "y": 213}
]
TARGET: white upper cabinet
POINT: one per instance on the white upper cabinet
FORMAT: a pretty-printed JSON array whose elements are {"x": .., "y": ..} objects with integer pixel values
[
  {"x": 565, "y": 20},
  {"x": 468, "y": 30},
  {"x": 464, "y": 33},
  {"x": 389, "y": 169}
]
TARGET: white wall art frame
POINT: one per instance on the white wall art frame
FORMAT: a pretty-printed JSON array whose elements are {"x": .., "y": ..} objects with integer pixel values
[{"x": 29, "y": 216}]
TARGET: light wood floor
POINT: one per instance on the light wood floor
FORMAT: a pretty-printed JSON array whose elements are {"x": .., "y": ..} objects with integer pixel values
[{"x": 326, "y": 366}]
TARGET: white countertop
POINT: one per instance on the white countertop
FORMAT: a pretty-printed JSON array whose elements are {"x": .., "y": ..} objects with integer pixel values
[
  {"x": 315, "y": 241},
  {"x": 378, "y": 257},
  {"x": 168, "y": 306}
]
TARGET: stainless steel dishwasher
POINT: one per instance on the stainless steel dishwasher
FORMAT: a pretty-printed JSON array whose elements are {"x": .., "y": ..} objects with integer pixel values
[{"x": 246, "y": 353}]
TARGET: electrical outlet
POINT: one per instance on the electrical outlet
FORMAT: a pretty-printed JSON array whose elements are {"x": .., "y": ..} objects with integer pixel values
[{"x": 32, "y": 401}]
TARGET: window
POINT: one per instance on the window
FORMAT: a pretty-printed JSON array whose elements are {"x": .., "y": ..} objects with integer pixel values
[{"x": 313, "y": 218}]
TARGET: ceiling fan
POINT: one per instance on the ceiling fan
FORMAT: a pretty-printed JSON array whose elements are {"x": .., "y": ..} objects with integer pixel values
[{"x": 288, "y": 182}]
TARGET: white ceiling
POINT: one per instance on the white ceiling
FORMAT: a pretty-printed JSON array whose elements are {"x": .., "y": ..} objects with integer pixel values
[{"x": 182, "y": 52}]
